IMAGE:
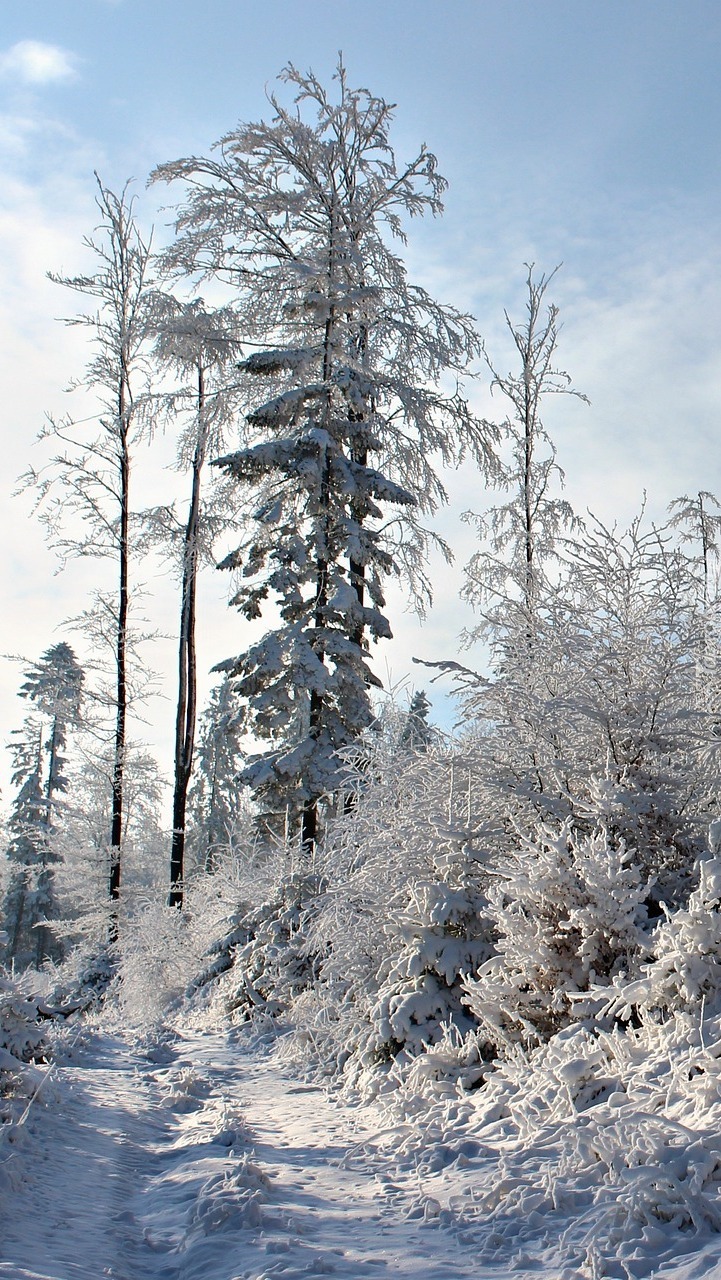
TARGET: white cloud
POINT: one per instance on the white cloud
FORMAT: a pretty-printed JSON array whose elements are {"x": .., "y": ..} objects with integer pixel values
[{"x": 33, "y": 62}]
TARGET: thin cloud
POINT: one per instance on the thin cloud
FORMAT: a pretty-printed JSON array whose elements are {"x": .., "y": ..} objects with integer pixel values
[{"x": 32, "y": 62}]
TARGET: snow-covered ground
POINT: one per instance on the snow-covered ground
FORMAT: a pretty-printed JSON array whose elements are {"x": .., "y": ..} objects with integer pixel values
[{"x": 199, "y": 1155}]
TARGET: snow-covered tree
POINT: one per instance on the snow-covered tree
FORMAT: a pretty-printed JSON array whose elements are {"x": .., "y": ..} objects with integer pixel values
[
  {"x": 55, "y": 685},
  {"x": 567, "y": 910},
  {"x": 417, "y": 733},
  {"x": 199, "y": 345},
  {"x": 699, "y": 519},
  {"x": 83, "y": 495},
  {"x": 506, "y": 575},
  {"x": 217, "y": 797},
  {"x": 402, "y": 917},
  {"x": 347, "y": 403},
  {"x": 28, "y": 899}
]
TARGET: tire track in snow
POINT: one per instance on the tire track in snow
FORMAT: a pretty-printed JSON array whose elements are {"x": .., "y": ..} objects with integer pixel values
[
  {"x": 208, "y": 1162},
  {"x": 333, "y": 1208},
  {"x": 88, "y": 1148}
]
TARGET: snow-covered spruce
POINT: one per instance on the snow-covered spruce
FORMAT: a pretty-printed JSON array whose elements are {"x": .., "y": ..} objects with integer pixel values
[
  {"x": 568, "y": 915},
  {"x": 345, "y": 406},
  {"x": 54, "y": 685},
  {"x": 219, "y": 814}
]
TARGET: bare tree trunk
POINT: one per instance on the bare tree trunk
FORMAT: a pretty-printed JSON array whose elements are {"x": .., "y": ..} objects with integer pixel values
[
  {"x": 309, "y": 817},
  {"x": 43, "y": 950},
  {"x": 121, "y": 635},
  {"x": 187, "y": 665}
]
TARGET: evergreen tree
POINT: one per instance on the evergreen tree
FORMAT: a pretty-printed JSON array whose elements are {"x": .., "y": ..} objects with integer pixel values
[
  {"x": 55, "y": 685},
  {"x": 345, "y": 404},
  {"x": 27, "y": 897},
  {"x": 217, "y": 796},
  {"x": 417, "y": 734}
]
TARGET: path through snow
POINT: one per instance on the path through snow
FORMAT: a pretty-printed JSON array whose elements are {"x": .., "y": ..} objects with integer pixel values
[{"x": 200, "y": 1158}]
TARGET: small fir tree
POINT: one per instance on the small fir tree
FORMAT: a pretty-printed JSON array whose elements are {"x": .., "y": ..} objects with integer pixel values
[
  {"x": 28, "y": 894},
  {"x": 217, "y": 796}
]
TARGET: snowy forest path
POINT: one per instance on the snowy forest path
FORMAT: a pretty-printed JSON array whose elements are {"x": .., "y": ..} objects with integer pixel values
[
  {"x": 90, "y": 1147},
  {"x": 197, "y": 1158}
]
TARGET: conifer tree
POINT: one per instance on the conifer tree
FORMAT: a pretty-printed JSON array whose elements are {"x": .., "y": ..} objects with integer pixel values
[
  {"x": 216, "y": 797},
  {"x": 417, "y": 733},
  {"x": 27, "y": 896},
  {"x": 54, "y": 684},
  {"x": 345, "y": 402}
]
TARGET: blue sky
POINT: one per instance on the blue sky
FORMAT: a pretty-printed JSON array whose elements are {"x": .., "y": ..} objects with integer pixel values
[{"x": 569, "y": 130}]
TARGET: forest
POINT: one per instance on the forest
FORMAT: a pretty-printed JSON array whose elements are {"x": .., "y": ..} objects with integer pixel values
[{"x": 514, "y": 926}]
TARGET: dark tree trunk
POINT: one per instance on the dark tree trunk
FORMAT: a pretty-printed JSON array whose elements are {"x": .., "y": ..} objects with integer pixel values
[
  {"x": 309, "y": 816},
  {"x": 187, "y": 666},
  {"x": 121, "y": 654}
]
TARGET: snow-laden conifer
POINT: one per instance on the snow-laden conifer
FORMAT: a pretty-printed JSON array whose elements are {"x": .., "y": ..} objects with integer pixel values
[
  {"x": 402, "y": 919},
  {"x": 568, "y": 912},
  {"x": 354, "y": 397},
  {"x": 55, "y": 685},
  {"x": 27, "y": 896},
  {"x": 217, "y": 800}
]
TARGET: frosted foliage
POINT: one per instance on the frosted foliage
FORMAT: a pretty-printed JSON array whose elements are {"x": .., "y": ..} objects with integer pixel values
[
  {"x": 568, "y": 912},
  {"x": 271, "y": 961},
  {"x": 402, "y": 916},
  {"x": 685, "y": 973},
  {"x": 20, "y": 1033},
  {"x": 521, "y": 537},
  {"x": 21, "y": 1041},
  {"x": 29, "y": 899},
  {"x": 218, "y": 811},
  {"x": 163, "y": 953},
  {"x": 600, "y": 714}
]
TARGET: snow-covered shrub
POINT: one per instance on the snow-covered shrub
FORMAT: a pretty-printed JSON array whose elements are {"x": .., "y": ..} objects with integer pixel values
[
  {"x": 568, "y": 913},
  {"x": 438, "y": 938},
  {"x": 157, "y": 959},
  {"x": 684, "y": 972},
  {"x": 21, "y": 1034},
  {"x": 21, "y": 1043},
  {"x": 595, "y": 711},
  {"x": 402, "y": 918},
  {"x": 261, "y": 897},
  {"x": 686, "y": 967},
  {"x": 165, "y": 953},
  {"x": 272, "y": 962}
]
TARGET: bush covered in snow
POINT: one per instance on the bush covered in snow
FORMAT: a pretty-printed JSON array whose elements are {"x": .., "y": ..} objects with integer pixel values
[
  {"x": 402, "y": 917},
  {"x": 568, "y": 911},
  {"x": 21, "y": 1043}
]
